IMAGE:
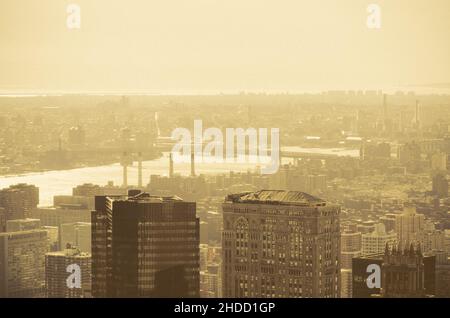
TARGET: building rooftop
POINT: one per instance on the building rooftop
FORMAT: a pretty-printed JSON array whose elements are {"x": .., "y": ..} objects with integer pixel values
[
  {"x": 143, "y": 197},
  {"x": 276, "y": 197}
]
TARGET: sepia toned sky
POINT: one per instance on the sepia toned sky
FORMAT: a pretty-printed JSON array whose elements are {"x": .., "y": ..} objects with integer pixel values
[{"x": 222, "y": 45}]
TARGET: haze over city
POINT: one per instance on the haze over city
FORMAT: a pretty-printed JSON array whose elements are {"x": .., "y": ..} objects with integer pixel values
[{"x": 208, "y": 150}]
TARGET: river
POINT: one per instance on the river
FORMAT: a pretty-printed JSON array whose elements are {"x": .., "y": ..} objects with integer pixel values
[{"x": 61, "y": 182}]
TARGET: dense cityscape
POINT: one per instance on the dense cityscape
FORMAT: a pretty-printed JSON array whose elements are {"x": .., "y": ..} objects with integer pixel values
[{"x": 358, "y": 208}]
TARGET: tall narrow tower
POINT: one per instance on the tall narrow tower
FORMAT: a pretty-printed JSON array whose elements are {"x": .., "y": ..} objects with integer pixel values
[
  {"x": 125, "y": 163},
  {"x": 139, "y": 169}
]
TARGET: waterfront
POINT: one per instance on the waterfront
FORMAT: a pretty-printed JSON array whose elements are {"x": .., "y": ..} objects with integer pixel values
[{"x": 61, "y": 182}]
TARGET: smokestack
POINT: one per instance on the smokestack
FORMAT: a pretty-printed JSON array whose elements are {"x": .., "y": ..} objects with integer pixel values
[
  {"x": 170, "y": 166},
  {"x": 125, "y": 163},
  {"x": 125, "y": 175},
  {"x": 140, "y": 170},
  {"x": 192, "y": 164}
]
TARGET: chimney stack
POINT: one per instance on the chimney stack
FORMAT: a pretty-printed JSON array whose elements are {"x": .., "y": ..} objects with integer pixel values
[{"x": 140, "y": 170}]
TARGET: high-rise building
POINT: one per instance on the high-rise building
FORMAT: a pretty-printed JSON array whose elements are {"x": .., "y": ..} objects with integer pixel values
[
  {"x": 145, "y": 246},
  {"x": 52, "y": 237},
  {"x": 402, "y": 273},
  {"x": 407, "y": 273},
  {"x": 2, "y": 220},
  {"x": 375, "y": 242},
  {"x": 409, "y": 225},
  {"x": 22, "y": 225},
  {"x": 440, "y": 185},
  {"x": 350, "y": 248},
  {"x": 346, "y": 283},
  {"x": 22, "y": 263},
  {"x": 77, "y": 234},
  {"x": 58, "y": 272},
  {"x": 60, "y": 215},
  {"x": 278, "y": 243},
  {"x": 19, "y": 200}
]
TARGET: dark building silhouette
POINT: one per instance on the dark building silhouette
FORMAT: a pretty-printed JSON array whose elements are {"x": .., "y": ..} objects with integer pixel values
[
  {"x": 171, "y": 283},
  {"x": 408, "y": 274},
  {"x": 280, "y": 244},
  {"x": 404, "y": 273},
  {"x": 145, "y": 246}
]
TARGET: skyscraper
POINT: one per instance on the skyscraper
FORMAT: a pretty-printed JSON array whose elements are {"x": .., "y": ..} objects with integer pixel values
[
  {"x": 77, "y": 234},
  {"x": 407, "y": 273},
  {"x": 22, "y": 225},
  {"x": 409, "y": 225},
  {"x": 440, "y": 185},
  {"x": 350, "y": 248},
  {"x": 375, "y": 242},
  {"x": 56, "y": 273},
  {"x": 19, "y": 200},
  {"x": 278, "y": 243},
  {"x": 145, "y": 246},
  {"x": 22, "y": 263}
]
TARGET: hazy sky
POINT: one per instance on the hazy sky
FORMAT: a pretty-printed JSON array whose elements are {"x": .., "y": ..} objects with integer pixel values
[{"x": 222, "y": 45}]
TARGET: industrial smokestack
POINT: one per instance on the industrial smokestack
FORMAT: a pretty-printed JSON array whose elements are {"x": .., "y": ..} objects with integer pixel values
[
  {"x": 125, "y": 175},
  {"x": 125, "y": 162},
  {"x": 170, "y": 166},
  {"x": 192, "y": 164},
  {"x": 140, "y": 170}
]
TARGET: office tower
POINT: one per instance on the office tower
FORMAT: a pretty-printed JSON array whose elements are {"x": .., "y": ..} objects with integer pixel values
[
  {"x": 22, "y": 265},
  {"x": 58, "y": 272},
  {"x": 61, "y": 215},
  {"x": 350, "y": 248},
  {"x": 389, "y": 221},
  {"x": 409, "y": 225},
  {"x": 346, "y": 283},
  {"x": 278, "y": 243},
  {"x": 407, "y": 273},
  {"x": 77, "y": 234},
  {"x": 22, "y": 225},
  {"x": 375, "y": 242},
  {"x": 18, "y": 200},
  {"x": 87, "y": 190},
  {"x": 52, "y": 238},
  {"x": 145, "y": 246},
  {"x": 440, "y": 185}
]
